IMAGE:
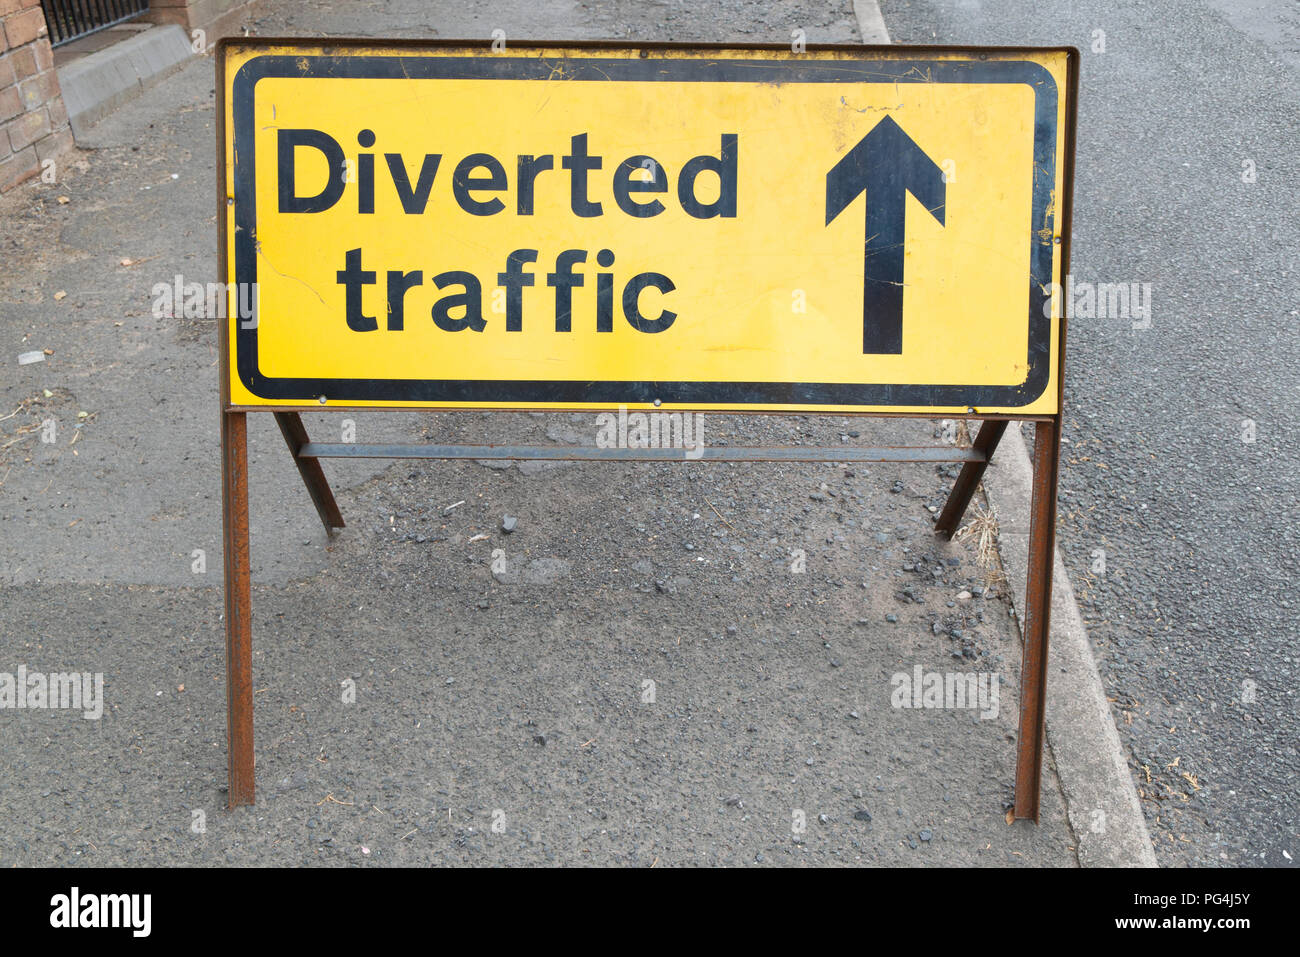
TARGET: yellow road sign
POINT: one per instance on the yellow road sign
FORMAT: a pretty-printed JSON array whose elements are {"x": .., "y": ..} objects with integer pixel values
[{"x": 440, "y": 225}]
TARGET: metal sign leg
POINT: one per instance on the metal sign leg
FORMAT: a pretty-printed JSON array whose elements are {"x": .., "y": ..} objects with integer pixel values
[
  {"x": 986, "y": 441},
  {"x": 239, "y": 632},
  {"x": 1038, "y": 607},
  {"x": 318, "y": 487},
  {"x": 239, "y": 682}
]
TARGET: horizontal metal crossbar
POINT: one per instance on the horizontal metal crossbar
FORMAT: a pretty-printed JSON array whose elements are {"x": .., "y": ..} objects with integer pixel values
[{"x": 708, "y": 453}]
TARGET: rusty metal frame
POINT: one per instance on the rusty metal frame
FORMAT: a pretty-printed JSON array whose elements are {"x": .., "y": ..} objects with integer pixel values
[
  {"x": 295, "y": 436},
  {"x": 1036, "y": 630},
  {"x": 1037, "y": 624},
  {"x": 306, "y": 455},
  {"x": 986, "y": 442},
  {"x": 239, "y": 603},
  {"x": 234, "y": 527},
  {"x": 580, "y": 453}
]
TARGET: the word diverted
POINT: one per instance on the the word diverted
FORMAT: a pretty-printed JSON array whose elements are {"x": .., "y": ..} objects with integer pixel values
[{"x": 638, "y": 186}]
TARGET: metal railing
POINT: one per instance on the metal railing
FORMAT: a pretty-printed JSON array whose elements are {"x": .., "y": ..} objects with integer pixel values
[{"x": 71, "y": 19}]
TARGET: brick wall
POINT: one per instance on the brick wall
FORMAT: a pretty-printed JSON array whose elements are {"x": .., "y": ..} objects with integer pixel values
[{"x": 33, "y": 121}]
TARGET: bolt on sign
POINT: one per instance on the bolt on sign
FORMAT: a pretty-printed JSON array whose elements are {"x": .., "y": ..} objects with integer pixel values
[
  {"x": 872, "y": 230},
  {"x": 548, "y": 228}
]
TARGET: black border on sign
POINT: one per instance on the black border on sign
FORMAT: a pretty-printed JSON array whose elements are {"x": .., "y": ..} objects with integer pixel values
[{"x": 651, "y": 69}]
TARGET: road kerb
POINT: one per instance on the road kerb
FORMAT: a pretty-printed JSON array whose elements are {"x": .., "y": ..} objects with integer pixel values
[
  {"x": 1100, "y": 797},
  {"x": 870, "y": 23},
  {"x": 1101, "y": 800}
]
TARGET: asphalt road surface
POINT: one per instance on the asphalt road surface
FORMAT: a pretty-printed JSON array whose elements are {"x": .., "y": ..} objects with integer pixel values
[{"x": 1181, "y": 463}]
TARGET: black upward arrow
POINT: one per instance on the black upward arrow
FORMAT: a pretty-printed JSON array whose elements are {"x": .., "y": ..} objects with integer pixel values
[{"x": 887, "y": 164}]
